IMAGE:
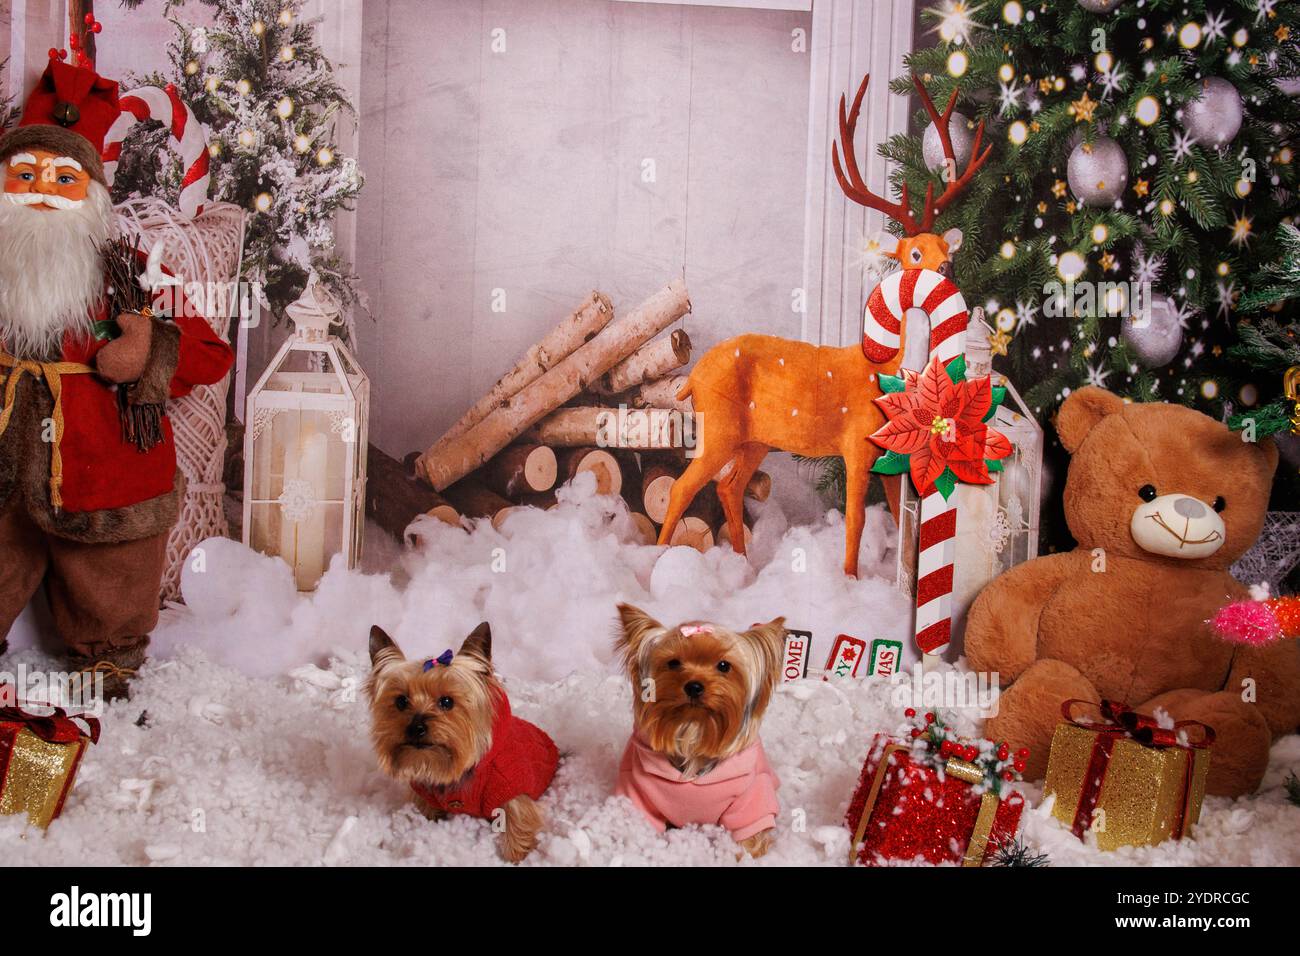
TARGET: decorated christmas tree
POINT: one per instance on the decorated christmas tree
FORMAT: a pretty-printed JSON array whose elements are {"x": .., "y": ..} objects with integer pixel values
[
  {"x": 259, "y": 83},
  {"x": 1143, "y": 161},
  {"x": 1271, "y": 343}
]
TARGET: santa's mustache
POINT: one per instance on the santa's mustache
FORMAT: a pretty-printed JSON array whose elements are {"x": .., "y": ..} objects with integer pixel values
[{"x": 53, "y": 200}]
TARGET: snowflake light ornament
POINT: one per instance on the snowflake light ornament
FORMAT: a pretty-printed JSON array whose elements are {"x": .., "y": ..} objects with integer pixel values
[
  {"x": 1026, "y": 314},
  {"x": 1097, "y": 374}
]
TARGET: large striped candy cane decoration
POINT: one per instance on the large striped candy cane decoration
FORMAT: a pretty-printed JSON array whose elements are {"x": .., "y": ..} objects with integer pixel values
[
  {"x": 882, "y": 324},
  {"x": 187, "y": 138}
]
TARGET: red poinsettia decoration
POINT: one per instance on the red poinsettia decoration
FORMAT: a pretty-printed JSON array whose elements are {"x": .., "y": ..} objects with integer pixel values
[{"x": 938, "y": 420}]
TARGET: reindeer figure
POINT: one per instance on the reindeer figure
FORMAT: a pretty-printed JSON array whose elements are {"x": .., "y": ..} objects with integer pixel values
[{"x": 754, "y": 393}]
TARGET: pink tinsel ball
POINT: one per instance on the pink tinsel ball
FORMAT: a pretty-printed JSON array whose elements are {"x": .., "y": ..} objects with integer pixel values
[{"x": 1247, "y": 622}]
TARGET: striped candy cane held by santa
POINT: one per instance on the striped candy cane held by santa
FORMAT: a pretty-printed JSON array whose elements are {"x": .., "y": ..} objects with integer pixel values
[
  {"x": 882, "y": 323},
  {"x": 187, "y": 138}
]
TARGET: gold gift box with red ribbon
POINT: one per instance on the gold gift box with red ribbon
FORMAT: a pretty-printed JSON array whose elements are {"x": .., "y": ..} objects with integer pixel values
[
  {"x": 1126, "y": 778},
  {"x": 39, "y": 755}
]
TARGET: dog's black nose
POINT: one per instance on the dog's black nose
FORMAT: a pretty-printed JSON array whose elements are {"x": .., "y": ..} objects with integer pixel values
[
  {"x": 945, "y": 270},
  {"x": 416, "y": 729},
  {"x": 694, "y": 689}
]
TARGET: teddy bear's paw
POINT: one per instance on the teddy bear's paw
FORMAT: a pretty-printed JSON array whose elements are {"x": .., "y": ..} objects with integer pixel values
[
  {"x": 1029, "y": 711},
  {"x": 1241, "y": 742}
]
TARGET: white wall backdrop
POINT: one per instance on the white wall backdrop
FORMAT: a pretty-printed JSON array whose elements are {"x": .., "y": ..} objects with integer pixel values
[
  {"x": 522, "y": 152},
  {"x": 538, "y": 150}
]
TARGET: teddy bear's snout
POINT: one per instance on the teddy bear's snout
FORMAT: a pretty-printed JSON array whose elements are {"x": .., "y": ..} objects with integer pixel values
[{"x": 1177, "y": 526}]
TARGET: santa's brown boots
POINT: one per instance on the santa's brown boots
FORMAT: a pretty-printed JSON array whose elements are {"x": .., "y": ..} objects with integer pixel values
[{"x": 114, "y": 670}]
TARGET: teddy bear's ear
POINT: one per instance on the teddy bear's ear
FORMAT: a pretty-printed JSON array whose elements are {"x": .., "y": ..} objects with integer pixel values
[{"x": 1082, "y": 411}]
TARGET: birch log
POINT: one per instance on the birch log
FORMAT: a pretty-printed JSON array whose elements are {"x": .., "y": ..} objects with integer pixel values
[
  {"x": 653, "y": 360},
  {"x": 657, "y": 479},
  {"x": 521, "y": 470},
  {"x": 603, "y": 465},
  {"x": 724, "y": 536},
  {"x": 395, "y": 499},
  {"x": 662, "y": 393},
  {"x": 458, "y": 457},
  {"x": 475, "y": 501},
  {"x": 579, "y": 328},
  {"x": 692, "y": 532},
  {"x": 640, "y": 429}
]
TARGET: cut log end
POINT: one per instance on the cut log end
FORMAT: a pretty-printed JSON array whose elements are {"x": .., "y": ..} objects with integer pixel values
[
  {"x": 724, "y": 537},
  {"x": 693, "y": 533},
  {"x": 602, "y": 465},
  {"x": 654, "y": 493},
  {"x": 646, "y": 531},
  {"x": 540, "y": 469},
  {"x": 759, "y": 487}
]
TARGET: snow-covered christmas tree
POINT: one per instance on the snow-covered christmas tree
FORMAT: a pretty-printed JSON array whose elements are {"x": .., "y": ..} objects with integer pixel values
[{"x": 258, "y": 80}]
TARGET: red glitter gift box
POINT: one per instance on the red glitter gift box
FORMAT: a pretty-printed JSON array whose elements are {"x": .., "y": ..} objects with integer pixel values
[{"x": 909, "y": 806}]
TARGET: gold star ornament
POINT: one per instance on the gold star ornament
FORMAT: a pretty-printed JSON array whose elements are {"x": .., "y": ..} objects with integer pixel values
[{"x": 1083, "y": 108}]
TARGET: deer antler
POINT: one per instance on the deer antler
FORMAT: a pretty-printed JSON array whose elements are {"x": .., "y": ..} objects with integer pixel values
[
  {"x": 853, "y": 184},
  {"x": 955, "y": 186}
]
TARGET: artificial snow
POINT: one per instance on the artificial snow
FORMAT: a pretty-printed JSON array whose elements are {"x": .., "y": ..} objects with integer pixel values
[{"x": 245, "y": 740}]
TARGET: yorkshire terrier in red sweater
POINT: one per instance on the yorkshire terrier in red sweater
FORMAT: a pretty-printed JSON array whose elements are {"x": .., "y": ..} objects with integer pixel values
[{"x": 444, "y": 726}]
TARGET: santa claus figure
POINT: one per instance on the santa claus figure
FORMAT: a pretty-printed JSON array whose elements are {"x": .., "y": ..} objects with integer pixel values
[{"x": 86, "y": 504}]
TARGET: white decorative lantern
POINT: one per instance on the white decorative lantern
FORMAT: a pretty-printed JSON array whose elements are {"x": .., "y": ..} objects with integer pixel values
[
  {"x": 997, "y": 524},
  {"x": 305, "y": 446}
]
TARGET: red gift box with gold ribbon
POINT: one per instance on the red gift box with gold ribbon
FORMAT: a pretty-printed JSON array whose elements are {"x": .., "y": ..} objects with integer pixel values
[
  {"x": 39, "y": 755},
  {"x": 1130, "y": 779},
  {"x": 908, "y": 807}
]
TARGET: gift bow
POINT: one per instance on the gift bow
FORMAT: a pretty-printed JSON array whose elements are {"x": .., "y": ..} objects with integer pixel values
[
  {"x": 1122, "y": 720},
  {"x": 55, "y": 728}
]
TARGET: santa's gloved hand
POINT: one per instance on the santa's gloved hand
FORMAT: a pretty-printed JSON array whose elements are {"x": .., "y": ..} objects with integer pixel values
[{"x": 123, "y": 359}]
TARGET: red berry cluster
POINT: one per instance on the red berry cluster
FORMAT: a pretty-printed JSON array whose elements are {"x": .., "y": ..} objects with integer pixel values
[
  {"x": 74, "y": 42},
  {"x": 998, "y": 763}
]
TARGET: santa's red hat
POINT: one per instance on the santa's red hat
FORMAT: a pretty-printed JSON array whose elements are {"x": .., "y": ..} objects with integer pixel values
[{"x": 68, "y": 113}]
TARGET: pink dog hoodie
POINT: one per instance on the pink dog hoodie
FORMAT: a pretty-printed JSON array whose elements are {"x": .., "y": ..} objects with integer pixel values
[{"x": 739, "y": 793}]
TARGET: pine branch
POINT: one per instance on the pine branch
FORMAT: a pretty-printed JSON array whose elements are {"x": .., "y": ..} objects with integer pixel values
[{"x": 1016, "y": 853}]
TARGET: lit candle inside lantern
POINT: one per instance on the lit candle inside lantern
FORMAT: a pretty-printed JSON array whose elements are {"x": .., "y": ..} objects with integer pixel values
[{"x": 302, "y": 541}]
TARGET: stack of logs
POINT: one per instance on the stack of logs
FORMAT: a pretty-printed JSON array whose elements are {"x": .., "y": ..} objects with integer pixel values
[{"x": 596, "y": 394}]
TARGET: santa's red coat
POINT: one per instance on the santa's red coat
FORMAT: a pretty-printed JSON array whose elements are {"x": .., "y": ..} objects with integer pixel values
[{"x": 100, "y": 469}]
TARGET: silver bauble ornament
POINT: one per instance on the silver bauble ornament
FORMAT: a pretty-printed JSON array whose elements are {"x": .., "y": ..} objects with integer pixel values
[
  {"x": 962, "y": 134},
  {"x": 1213, "y": 117},
  {"x": 1098, "y": 171},
  {"x": 1100, "y": 6},
  {"x": 1154, "y": 339}
]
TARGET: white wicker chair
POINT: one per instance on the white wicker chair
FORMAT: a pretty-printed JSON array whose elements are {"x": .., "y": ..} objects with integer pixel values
[{"x": 206, "y": 249}]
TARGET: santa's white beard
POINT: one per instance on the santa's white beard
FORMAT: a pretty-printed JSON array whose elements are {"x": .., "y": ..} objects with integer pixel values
[{"x": 51, "y": 275}]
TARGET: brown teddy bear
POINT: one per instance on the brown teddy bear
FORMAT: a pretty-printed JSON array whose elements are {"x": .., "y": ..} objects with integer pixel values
[{"x": 1161, "y": 500}]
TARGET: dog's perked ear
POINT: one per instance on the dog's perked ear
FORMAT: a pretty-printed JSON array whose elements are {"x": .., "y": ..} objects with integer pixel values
[
  {"x": 636, "y": 623},
  {"x": 479, "y": 642},
  {"x": 382, "y": 648},
  {"x": 769, "y": 640}
]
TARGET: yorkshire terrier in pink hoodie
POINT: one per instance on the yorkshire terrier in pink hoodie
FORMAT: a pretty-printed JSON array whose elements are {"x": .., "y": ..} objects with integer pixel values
[{"x": 699, "y": 692}]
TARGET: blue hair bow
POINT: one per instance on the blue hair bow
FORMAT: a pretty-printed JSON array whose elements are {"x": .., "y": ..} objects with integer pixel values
[{"x": 444, "y": 659}]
